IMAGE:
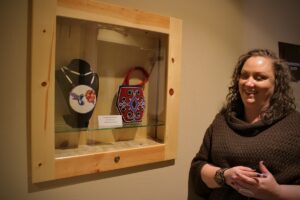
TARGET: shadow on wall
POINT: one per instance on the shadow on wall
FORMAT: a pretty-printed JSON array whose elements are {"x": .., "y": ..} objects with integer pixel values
[{"x": 93, "y": 177}]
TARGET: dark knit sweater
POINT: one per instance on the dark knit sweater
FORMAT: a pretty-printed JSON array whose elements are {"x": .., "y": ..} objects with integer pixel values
[{"x": 233, "y": 142}]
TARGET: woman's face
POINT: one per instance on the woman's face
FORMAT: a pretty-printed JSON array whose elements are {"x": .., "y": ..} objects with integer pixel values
[{"x": 257, "y": 82}]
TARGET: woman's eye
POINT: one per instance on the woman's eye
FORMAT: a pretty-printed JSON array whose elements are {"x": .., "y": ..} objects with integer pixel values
[
  {"x": 260, "y": 78},
  {"x": 244, "y": 76}
]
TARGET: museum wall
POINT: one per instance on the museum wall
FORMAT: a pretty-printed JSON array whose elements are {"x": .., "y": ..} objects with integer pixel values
[{"x": 215, "y": 33}]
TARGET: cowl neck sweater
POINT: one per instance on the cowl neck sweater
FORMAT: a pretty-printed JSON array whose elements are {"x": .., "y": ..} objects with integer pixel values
[{"x": 230, "y": 141}]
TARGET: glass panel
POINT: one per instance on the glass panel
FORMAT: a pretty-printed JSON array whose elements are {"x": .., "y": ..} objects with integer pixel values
[{"x": 92, "y": 60}]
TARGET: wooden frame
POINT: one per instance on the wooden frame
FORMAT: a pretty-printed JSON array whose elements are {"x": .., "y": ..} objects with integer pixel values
[{"x": 45, "y": 164}]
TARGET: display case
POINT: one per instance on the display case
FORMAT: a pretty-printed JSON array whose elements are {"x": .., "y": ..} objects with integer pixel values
[{"x": 104, "y": 88}]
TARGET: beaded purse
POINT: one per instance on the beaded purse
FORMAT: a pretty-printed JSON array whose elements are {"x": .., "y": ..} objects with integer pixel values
[{"x": 130, "y": 99}]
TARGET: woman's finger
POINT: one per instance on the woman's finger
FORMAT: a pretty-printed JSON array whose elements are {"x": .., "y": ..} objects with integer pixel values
[
  {"x": 246, "y": 168},
  {"x": 263, "y": 168},
  {"x": 246, "y": 179}
]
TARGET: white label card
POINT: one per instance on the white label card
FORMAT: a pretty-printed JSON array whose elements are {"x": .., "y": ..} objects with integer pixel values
[{"x": 110, "y": 121}]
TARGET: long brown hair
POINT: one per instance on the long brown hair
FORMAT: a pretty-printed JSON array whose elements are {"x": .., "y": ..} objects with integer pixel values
[{"x": 282, "y": 101}]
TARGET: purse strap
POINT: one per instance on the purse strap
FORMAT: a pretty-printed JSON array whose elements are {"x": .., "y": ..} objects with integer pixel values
[{"x": 141, "y": 69}]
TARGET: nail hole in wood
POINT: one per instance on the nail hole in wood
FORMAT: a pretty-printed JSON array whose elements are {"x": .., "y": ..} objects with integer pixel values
[
  {"x": 117, "y": 159},
  {"x": 44, "y": 83}
]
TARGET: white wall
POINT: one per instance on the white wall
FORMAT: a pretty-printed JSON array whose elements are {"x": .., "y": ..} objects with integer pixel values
[{"x": 215, "y": 33}]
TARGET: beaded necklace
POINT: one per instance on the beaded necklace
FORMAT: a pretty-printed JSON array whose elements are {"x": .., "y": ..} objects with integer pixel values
[{"x": 82, "y": 98}]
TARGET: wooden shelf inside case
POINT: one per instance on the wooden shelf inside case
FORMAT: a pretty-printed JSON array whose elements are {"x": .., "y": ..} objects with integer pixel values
[{"x": 62, "y": 128}]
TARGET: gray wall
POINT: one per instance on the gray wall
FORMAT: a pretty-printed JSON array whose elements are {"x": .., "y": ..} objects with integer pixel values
[{"x": 215, "y": 33}]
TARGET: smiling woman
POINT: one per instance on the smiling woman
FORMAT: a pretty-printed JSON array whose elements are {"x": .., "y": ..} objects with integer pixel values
[
  {"x": 252, "y": 148},
  {"x": 270, "y": 67}
]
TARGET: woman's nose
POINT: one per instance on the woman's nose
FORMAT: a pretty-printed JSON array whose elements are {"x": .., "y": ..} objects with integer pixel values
[{"x": 249, "y": 82}]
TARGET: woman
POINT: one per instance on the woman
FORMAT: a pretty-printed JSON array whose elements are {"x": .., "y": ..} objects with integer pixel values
[{"x": 252, "y": 148}]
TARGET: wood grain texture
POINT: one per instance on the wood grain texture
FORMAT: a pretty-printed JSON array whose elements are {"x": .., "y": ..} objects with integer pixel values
[
  {"x": 112, "y": 14},
  {"x": 106, "y": 161},
  {"x": 42, "y": 90}
]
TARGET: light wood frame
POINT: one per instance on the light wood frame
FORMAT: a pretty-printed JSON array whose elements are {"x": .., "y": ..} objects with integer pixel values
[{"x": 45, "y": 166}]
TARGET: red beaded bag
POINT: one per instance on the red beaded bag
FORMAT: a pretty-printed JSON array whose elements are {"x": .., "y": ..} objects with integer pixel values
[{"x": 130, "y": 100}]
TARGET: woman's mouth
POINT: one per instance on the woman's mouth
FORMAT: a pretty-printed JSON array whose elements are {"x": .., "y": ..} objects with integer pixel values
[{"x": 250, "y": 91}]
